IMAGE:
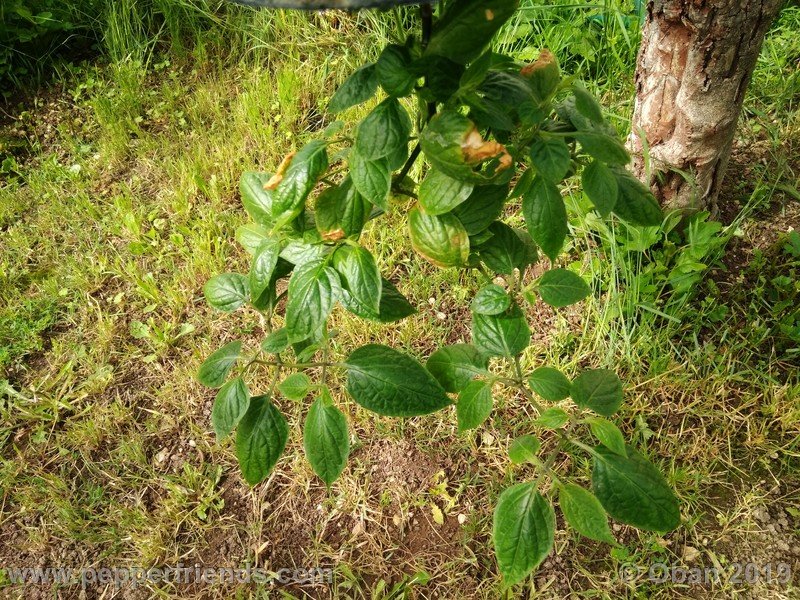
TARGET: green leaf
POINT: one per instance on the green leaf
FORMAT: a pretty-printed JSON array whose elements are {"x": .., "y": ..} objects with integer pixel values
[
  {"x": 474, "y": 405},
  {"x": 483, "y": 206},
  {"x": 608, "y": 434},
  {"x": 523, "y": 531},
  {"x": 552, "y": 418},
  {"x": 549, "y": 383},
  {"x": 560, "y": 287},
  {"x": 476, "y": 72},
  {"x": 584, "y": 513},
  {"x": 296, "y": 386},
  {"x": 313, "y": 289},
  {"x": 276, "y": 342},
  {"x": 393, "y": 307},
  {"x": 603, "y": 147},
  {"x": 505, "y": 250},
  {"x": 544, "y": 75},
  {"x": 230, "y": 405},
  {"x": 263, "y": 267},
  {"x": 394, "y": 70},
  {"x": 546, "y": 216},
  {"x": 524, "y": 449},
  {"x": 256, "y": 199},
  {"x": 260, "y": 439},
  {"x": 305, "y": 168},
  {"x": 506, "y": 334},
  {"x": 371, "y": 178},
  {"x": 597, "y": 389},
  {"x": 391, "y": 383},
  {"x": 587, "y": 105},
  {"x": 251, "y": 236},
  {"x": 357, "y": 88},
  {"x": 214, "y": 370},
  {"x": 360, "y": 276},
  {"x": 452, "y": 144},
  {"x": 551, "y": 158},
  {"x": 439, "y": 193},
  {"x": 635, "y": 202},
  {"x": 491, "y": 300},
  {"x": 326, "y": 439},
  {"x": 633, "y": 491},
  {"x": 341, "y": 211},
  {"x": 455, "y": 366},
  {"x": 467, "y": 26},
  {"x": 600, "y": 186},
  {"x": 440, "y": 240},
  {"x": 383, "y": 130},
  {"x": 227, "y": 292}
]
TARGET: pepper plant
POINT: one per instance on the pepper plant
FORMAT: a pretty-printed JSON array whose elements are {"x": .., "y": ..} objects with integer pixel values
[{"x": 489, "y": 131}]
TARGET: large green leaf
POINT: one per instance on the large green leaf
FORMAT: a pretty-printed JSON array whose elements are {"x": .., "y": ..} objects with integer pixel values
[
  {"x": 505, "y": 250},
  {"x": 296, "y": 386},
  {"x": 452, "y": 144},
  {"x": 551, "y": 384},
  {"x": 439, "y": 193},
  {"x": 230, "y": 405},
  {"x": 524, "y": 449},
  {"x": 584, "y": 513},
  {"x": 455, "y": 366},
  {"x": 214, "y": 370},
  {"x": 257, "y": 200},
  {"x": 561, "y": 287},
  {"x": 603, "y": 147},
  {"x": 371, "y": 178},
  {"x": 313, "y": 289},
  {"x": 391, "y": 383},
  {"x": 341, "y": 211},
  {"x": 467, "y": 26},
  {"x": 633, "y": 491},
  {"x": 260, "y": 439},
  {"x": 506, "y": 334},
  {"x": 394, "y": 70},
  {"x": 305, "y": 168},
  {"x": 359, "y": 275},
  {"x": 263, "y": 267},
  {"x": 600, "y": 186},
  {"x": 523, "y": 531},
  {"x": 325, "y": 438},
  {"x": 250, "y": 236},
  {"x": 491, "y": 300},
  {"x": 276, "y": 342},
  {"x": 551, "y": 158},
  {"x": 587, "y": 105},
  {"x": 608, "y": 434},
  {"x": 383, "y": 130},
  {"x": 635, "y": 202},
  {"x": 474, "y": 405},
  {"x": 227, "y": 292},
  {"x": 441, "y": 239},
  {"x": 357, "y": 88},
  {"x": 597, "y": 389},
  {"x": 394, "y": 306},
  {"x": 483, "y": 206},
  {"x": 546, "y": 216}
]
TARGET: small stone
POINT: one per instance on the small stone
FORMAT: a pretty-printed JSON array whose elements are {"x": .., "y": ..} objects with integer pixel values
[
  {"x": 192, "y": 443},
  {"x": 690, "y": 554},
  {"x": 462, "y": 518}
]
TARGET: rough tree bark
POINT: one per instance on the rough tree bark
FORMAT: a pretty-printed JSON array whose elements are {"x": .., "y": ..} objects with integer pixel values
[{"x": 694, "y": 65}]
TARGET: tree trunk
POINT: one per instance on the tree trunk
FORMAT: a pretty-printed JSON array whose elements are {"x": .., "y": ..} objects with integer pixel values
[{"x": 694, "y": 65}]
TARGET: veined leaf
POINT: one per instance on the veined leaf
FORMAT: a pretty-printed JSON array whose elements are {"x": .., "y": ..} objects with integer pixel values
[
  {"x": 214, "y": 370},
  {"x": 325, "y": 439},
  {"x": 546, "y": 216},
  {"x": 391, "y": 383},
  {"x": 523, "y": 531},
  {"x": 260, "y": 439},
  {"x": 313, "y": 289}
]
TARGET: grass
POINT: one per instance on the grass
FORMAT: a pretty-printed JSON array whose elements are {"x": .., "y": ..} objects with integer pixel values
[{"x": 122, "y": 201}]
